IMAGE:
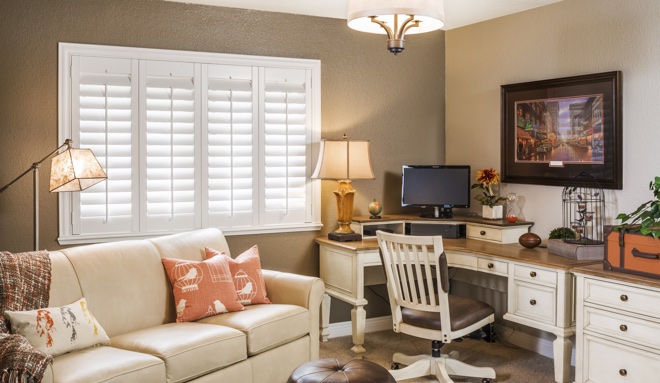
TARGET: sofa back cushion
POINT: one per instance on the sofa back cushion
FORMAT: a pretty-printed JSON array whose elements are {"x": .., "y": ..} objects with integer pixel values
[
  {"x": 64, "y": 286},
  {"x": 125, "y": 285},
  {"x": 190, "y": 245}
]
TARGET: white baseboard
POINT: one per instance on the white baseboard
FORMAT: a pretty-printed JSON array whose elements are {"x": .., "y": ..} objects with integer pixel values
[
  {"x": 372, "y": 325},
  {"x": 517, "y": 338}
]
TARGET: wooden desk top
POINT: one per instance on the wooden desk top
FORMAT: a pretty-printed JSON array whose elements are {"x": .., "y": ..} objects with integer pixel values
[
  {"x": 598, "y": 271},
  {"x": 511, "y": 252},
  {"x": 456, "y": 218}
]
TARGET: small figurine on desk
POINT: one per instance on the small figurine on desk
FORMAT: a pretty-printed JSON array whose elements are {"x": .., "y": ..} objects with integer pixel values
[{"x": 375, "y": 208}]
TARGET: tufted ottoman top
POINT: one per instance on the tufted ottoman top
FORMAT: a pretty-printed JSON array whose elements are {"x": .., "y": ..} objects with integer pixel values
[{"x": 340, "y": 371}]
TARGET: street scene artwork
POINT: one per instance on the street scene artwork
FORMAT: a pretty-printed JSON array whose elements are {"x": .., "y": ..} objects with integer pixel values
[{"x": 560, "y": 130}]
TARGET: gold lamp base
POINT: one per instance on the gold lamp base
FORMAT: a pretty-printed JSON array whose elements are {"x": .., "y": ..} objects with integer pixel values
[{"x": 344, "y": 194}]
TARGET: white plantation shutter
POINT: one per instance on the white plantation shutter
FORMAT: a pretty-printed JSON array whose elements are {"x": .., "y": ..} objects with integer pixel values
[
  {"x": 231, "y": 146},
  {"x": 189, "y": 140},
  {"x": 286, "y": 145},
  {"x": 168, "y": 145},
  {"x": 104, "y": 114}
]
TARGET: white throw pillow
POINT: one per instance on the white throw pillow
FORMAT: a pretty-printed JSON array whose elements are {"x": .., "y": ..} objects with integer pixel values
[{"x": 58, "y": 330}]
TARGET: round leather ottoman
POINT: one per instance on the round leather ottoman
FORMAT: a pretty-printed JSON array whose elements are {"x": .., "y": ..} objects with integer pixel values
[{"x": 341, "y": 371}]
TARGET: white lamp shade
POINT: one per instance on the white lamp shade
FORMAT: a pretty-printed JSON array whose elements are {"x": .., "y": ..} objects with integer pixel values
[
  {"x": 75, "y": 170},
  {"x": 344, "y": 160},
  {"x": 430, "y": 13}
]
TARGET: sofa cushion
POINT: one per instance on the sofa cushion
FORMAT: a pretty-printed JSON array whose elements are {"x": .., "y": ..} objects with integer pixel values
[
  {"x": 247, "y": 275},
  {"x": 64, "y": 286},
  {"x": 188, "y": 349},
  {"x": 190, "y": 245},
  {"x": 124, "y": 283},
  {"x": 108, "y": 365},
  {"x": 201, "y": 289},
  {"x": 58, "y": 330},
  {"x": 266, "y": 326}
]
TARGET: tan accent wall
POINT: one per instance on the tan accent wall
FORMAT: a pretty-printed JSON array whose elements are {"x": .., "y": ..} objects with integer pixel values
[
  {"x": 569, "y": 38},
  {"x": 396, "y": 102}
]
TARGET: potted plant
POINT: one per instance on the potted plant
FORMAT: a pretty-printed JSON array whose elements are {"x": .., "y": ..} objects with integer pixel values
[
  {"x": 486, "y": 178},
  {"x": 646, "y": 219}
]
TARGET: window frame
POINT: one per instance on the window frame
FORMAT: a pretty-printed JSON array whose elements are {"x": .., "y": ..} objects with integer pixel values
[{"x": 68, "y": 50}]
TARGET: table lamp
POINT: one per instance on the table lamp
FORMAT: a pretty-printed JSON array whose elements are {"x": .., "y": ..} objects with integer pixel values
[
  {"x": 344, "y": 160},
  {"x": 71, "y": 170}
]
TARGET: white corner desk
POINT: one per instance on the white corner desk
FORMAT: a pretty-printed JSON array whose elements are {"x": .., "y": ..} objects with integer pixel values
[{"x": 540, "y": 286}]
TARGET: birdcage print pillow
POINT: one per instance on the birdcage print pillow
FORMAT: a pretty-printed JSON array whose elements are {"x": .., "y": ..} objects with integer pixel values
[
  {"x": 58, "y": 330},
  {"x": 247, "y": 275},
  {"x": 201, "y": 289}
]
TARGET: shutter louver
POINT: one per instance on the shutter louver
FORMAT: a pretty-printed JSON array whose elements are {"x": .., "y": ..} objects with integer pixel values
[
  {"x": 169, "y": 119},
  {"x": 286, "y": 127},
  {"x": 105, "y": 112},
  {"x": 231, "y": 142}
]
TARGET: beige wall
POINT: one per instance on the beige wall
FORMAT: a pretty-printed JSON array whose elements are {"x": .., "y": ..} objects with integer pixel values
[
  {"x": 396, "y": 102},
  {"x": 573, "y": 37}
]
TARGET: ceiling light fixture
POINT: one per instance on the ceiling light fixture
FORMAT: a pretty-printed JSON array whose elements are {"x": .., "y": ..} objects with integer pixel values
[{"x": 396, "y": 18}]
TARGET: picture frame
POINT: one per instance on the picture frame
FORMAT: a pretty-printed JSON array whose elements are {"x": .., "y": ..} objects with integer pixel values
[{"x": 553, "y": 130}]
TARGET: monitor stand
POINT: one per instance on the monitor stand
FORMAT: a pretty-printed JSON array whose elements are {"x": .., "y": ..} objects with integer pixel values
[{"x": 439, "y": 212}]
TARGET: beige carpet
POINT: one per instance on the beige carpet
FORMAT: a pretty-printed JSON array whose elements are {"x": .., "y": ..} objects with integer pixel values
[{"x": 512, "y": 364}]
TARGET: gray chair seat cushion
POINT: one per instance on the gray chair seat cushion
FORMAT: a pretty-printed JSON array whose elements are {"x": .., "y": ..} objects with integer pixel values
[{"x": 463, "y": 311}]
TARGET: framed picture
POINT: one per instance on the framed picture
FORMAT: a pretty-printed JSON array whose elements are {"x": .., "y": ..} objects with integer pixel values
[{"x": 553, "y": 130}]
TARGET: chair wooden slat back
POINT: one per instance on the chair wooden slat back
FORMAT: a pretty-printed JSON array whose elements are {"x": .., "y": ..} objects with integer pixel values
[{"x": 410, "y": 264}]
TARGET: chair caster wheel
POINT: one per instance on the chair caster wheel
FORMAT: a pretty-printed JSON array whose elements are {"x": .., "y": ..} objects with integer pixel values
[
  {"x": 395, "y": 366},
  {"x": 485, "y": 380}
]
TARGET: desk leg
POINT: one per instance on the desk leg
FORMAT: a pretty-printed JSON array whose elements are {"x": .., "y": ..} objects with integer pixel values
[
  {"x": 358, "y": 320},
  {"x": 325, "y": 318},
  {"x": 562, "y": 348}
]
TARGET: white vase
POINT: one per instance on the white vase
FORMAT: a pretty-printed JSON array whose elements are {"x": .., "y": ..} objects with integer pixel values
[{"x": 494, "y": 212}]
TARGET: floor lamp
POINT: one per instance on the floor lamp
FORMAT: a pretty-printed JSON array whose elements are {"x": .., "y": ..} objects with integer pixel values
[
  {"x": 344, "y": 160},
  {"x": 71, "y": 170}
]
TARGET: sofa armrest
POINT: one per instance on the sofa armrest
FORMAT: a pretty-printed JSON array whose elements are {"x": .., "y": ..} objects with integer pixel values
[{"x": 300, "y": 290}]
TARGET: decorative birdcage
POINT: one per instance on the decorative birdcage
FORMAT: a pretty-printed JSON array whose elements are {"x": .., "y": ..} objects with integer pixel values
[{"x": 584, "y": 210}]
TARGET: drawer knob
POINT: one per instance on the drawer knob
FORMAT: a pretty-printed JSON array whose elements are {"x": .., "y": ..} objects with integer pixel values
[
  {"x": 623, "y": 327},
  {"x": 624, "y": 298},
  {"x": 482, "y": 232},
  {"x": 623, "y": 372},
  {"x": 490, "y": 265},
  {"x": 532, "y": 274},
  {"x": 532, "y": 302}
]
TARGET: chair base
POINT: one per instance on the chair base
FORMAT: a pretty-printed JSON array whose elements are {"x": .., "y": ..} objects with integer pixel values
[{"x": 441, "y": 367}]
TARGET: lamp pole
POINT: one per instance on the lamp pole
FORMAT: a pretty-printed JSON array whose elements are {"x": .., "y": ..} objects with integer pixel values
[{"x": 35, "y": 177}]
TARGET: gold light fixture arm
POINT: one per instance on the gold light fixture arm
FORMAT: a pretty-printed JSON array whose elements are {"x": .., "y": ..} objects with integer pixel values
[
  {"x": 388, "y": 30},
  {"x": 395, "y": 36}
]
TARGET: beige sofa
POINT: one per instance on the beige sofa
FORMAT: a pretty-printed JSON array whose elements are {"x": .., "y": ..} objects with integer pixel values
[{"x": 128, "y": 292}]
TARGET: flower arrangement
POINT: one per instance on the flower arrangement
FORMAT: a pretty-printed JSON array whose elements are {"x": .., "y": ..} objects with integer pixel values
[{"x": 485, "y": 179}]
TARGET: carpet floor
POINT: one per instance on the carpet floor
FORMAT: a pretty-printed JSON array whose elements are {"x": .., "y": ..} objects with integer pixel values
[{"x": 512, "y": 364}]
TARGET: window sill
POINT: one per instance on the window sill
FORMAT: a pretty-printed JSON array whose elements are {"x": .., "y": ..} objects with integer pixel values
[{"x": 89, "y": 239}]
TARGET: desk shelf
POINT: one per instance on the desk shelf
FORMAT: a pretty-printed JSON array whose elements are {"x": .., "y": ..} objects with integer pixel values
[{"x": 496, "y": 231}]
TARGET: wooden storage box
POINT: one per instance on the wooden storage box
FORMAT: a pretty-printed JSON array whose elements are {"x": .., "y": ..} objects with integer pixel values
[{"x": 632, "y": 253}]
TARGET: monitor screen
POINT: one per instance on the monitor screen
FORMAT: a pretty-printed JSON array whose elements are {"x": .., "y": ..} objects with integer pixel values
[{"x": 436, "y": 186}]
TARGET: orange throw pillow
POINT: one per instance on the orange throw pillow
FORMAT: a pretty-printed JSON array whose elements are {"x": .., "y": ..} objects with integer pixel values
[
  {"x": 201, "y": 289},
  {"x": 246, "y": 272}
]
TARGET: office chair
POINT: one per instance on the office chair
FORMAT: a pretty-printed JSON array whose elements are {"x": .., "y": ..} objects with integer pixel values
[{"x": 413, "y": 265}]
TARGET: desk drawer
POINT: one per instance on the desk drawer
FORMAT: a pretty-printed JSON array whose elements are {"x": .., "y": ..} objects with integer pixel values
[
  {"x": 626, "y": 328},
  {"x": 484, "y": 233},
  {"x": 534, "y": 302},
  {"x": 623, "y": 297},
  {"x": 493, "y": 266},
  {"x": 535, "y": 275},
  {"x": 462, "y": 260},
  {"x": 608, "y": 362}
]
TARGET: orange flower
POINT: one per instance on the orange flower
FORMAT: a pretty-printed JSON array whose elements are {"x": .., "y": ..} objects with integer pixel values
[{"x": 488, "y": 177}]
